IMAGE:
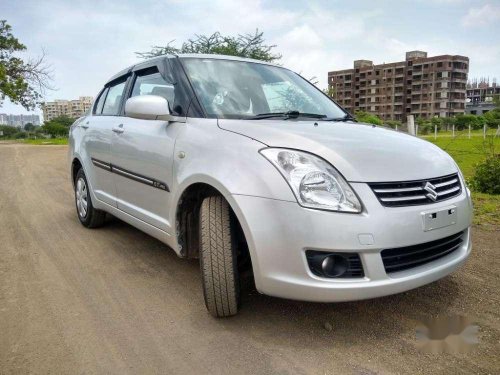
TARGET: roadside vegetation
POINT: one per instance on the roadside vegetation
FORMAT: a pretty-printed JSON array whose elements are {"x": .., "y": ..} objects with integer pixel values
[
  {"x": 56, "y": 131},
  {"x": 479, "y": 161}
]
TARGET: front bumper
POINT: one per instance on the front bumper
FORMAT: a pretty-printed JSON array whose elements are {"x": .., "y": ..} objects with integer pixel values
[{"x": 279, "y": 233}]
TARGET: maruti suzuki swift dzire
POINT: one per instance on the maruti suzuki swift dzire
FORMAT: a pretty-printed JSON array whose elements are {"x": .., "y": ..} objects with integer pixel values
[{"x": 247, "y": 166}]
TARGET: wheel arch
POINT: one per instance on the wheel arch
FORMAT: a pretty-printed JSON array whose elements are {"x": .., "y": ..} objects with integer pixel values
[
  {"x": 76, "y": 164},
  {"x": 187, "y": 206}
]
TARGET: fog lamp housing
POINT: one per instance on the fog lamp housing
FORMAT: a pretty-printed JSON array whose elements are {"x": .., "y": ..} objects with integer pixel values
[{"x": 334, "y": 265}]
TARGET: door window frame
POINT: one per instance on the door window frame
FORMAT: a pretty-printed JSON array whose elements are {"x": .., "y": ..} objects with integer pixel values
[{"x": 125, "y": 78}]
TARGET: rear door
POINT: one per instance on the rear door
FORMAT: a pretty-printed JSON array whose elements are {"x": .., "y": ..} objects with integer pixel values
[
  {"x": 98, "y": 137},
  {"x": 142, "y": 156}
]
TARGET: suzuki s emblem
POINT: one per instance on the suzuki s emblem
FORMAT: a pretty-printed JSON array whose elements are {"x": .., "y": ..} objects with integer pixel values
[{"x": 431, "y": 190}]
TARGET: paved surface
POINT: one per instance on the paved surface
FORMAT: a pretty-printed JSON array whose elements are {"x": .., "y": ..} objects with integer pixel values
[{"x": 114, "y": 300}]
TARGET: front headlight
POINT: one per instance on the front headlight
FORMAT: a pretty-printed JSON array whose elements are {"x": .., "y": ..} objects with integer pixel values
[{"x": 315, "y": 183}]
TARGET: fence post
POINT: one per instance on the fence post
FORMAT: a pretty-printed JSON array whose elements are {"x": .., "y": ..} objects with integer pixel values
[
  {"x": 396, "y": 128},
  {"x": 411, "y": 124},
  {"x": 469, "y": 131},
  {"x": 416, "y": 130},
  {"x": 498, "y": 131},
  {"x": 453, "y": 130},
  {"x": 484, "y": 131},
  {"x": 435, "y": 131}
]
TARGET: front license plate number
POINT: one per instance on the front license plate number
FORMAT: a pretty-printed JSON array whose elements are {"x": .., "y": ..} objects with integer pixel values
[{"x": 439, "y": 218}]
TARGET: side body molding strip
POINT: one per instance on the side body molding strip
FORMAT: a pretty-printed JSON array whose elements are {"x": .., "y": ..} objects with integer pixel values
[{"x": 131, "y": 175}]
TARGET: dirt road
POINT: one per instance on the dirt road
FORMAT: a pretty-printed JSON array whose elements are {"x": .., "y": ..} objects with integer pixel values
[{"x": 114, "y": 300}]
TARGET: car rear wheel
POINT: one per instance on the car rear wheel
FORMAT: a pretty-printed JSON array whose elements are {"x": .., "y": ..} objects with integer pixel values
[
  {"x": 218, "y": 258},
  {"x": 88, "y": 215}
]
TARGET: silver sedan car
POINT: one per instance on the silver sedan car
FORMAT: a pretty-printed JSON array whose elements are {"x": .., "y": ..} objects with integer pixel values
[{"x": 248, "y": 167}]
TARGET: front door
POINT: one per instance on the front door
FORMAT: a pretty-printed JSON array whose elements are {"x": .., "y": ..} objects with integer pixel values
[
  {"x": 98, "y": 138},
  {"x": 142, "y": 158}
]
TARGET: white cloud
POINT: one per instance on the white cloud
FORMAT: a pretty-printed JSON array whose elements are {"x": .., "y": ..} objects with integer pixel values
[{"x": 483, "y": 16}]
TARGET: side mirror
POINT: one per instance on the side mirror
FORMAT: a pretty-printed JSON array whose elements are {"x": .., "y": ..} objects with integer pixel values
[{"x": 150, "y": 107}]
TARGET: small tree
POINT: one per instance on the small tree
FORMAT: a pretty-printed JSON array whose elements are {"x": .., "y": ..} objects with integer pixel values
[
  {"x": 447, "y": 122},
  {"x": 437, "y": 121},
  {"x": 463, "y": 121},
  {"x": 58, "y": 126},
  {"x": 23, "y": 82},
  {"x": 8, "y": 131},
  {"x": 244, "y": 45},
  {"x": 29, "y": 127}
]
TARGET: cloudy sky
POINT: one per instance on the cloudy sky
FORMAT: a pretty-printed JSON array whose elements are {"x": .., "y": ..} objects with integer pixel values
[{"x": 88, "y": 41}]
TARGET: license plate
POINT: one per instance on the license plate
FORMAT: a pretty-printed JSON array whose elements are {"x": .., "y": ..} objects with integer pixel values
[{"x": 441, "y": 218}]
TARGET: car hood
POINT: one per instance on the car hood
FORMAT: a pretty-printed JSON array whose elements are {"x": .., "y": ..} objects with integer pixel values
[{"x": 361, "y": 152}]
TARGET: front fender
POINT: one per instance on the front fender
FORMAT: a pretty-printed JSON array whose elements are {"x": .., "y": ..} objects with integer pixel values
[{"x": 229, "y": 160}]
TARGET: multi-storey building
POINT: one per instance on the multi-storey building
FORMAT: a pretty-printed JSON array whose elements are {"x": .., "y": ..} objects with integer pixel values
[
  {"x": 19, "y": 120},
  {"x": 70, "y": 108},
  {"x": 480, "y": 96},
  {"x": 422, "y": 86}
]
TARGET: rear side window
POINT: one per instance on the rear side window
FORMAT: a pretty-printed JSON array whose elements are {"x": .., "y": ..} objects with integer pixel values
[
  {"x": 150, "y": 82},
  {"x": 113, "y": 99},
  {"x": 100, "y": 102}
]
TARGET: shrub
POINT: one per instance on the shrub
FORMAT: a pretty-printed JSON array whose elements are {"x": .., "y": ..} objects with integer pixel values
[
  {"x": 425, "y": 128},
  {"x": 463, "y": 122},
  {"x": 20, "y": 135},
  {"x": 369, "y": 118},
  {"x": 486, "y": 178}
]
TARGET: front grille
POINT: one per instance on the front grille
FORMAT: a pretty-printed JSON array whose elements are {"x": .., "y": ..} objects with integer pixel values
[
  {"x": 403, "y": 258},
  {"x": 409, "y": 193}
]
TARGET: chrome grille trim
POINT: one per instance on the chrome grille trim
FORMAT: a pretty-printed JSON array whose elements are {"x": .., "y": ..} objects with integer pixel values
[{"x": 410, "y": 193}]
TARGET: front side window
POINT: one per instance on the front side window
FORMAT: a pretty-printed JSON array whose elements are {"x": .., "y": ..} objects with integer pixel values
[
  {"x": 150, "y": 82},
  {"x": 100, "y": 102},
  {"x": 238, "y": 89},
  {"x": 113, "y": 99}
]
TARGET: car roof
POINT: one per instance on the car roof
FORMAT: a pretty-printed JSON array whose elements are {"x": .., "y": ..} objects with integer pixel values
[{"x": 149, "y": 62}]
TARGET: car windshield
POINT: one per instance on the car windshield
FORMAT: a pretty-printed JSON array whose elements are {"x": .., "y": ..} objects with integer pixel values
[{"x": 246, "y": 90}]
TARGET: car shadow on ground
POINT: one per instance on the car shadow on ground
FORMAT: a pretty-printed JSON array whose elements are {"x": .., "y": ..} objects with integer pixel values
[{"x": 298, "y": 323}]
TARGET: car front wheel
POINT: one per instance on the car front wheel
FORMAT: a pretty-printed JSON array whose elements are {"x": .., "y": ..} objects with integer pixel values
[{"x": 218, "y": 258}]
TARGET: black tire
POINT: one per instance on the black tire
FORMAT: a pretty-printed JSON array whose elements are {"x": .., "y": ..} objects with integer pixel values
[
  {"x": 91, "y": 218},
  {"x": 218, "y": 258}
]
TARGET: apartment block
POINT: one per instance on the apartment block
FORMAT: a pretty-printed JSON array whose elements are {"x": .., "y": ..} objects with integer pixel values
[
  {"x": 480, "y": 94},
  {"x": 71, "y": 108},
  {"x": 421, "y": 86},
  {"x": 19, "y": 120}
]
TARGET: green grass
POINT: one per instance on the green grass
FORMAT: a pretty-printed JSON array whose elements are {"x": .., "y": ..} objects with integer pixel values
[
  {"x": 43, "y": 141},
  {"x": 467, "y": 153},
  {"x": 486, "y": 209}
]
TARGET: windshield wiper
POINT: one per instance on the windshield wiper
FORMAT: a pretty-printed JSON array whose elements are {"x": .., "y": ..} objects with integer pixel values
[
  {"x": 285, "y": 115},
  {"x": 347, "y": 117}
]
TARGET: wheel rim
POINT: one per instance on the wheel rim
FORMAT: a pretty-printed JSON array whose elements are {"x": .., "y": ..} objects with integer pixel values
[{"x": 81, "y": 197}]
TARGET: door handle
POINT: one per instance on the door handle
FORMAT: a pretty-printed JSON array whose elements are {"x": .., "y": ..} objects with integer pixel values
[
  {"x": 118, "y": 129},
  {"x": 85, "y": 126}
]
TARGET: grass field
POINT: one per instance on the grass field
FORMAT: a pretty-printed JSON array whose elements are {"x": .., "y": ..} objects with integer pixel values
[
  {"x": 43, "y": 141},
  {"x": 467, "y": 153}
]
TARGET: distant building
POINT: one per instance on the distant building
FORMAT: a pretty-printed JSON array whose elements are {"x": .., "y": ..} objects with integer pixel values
[
  {"x": 421, "y": 86},
  {"x": 71, "y": 108},
  {"x": 19, "y": 120},
  {"x": 480, "y": 96}
]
